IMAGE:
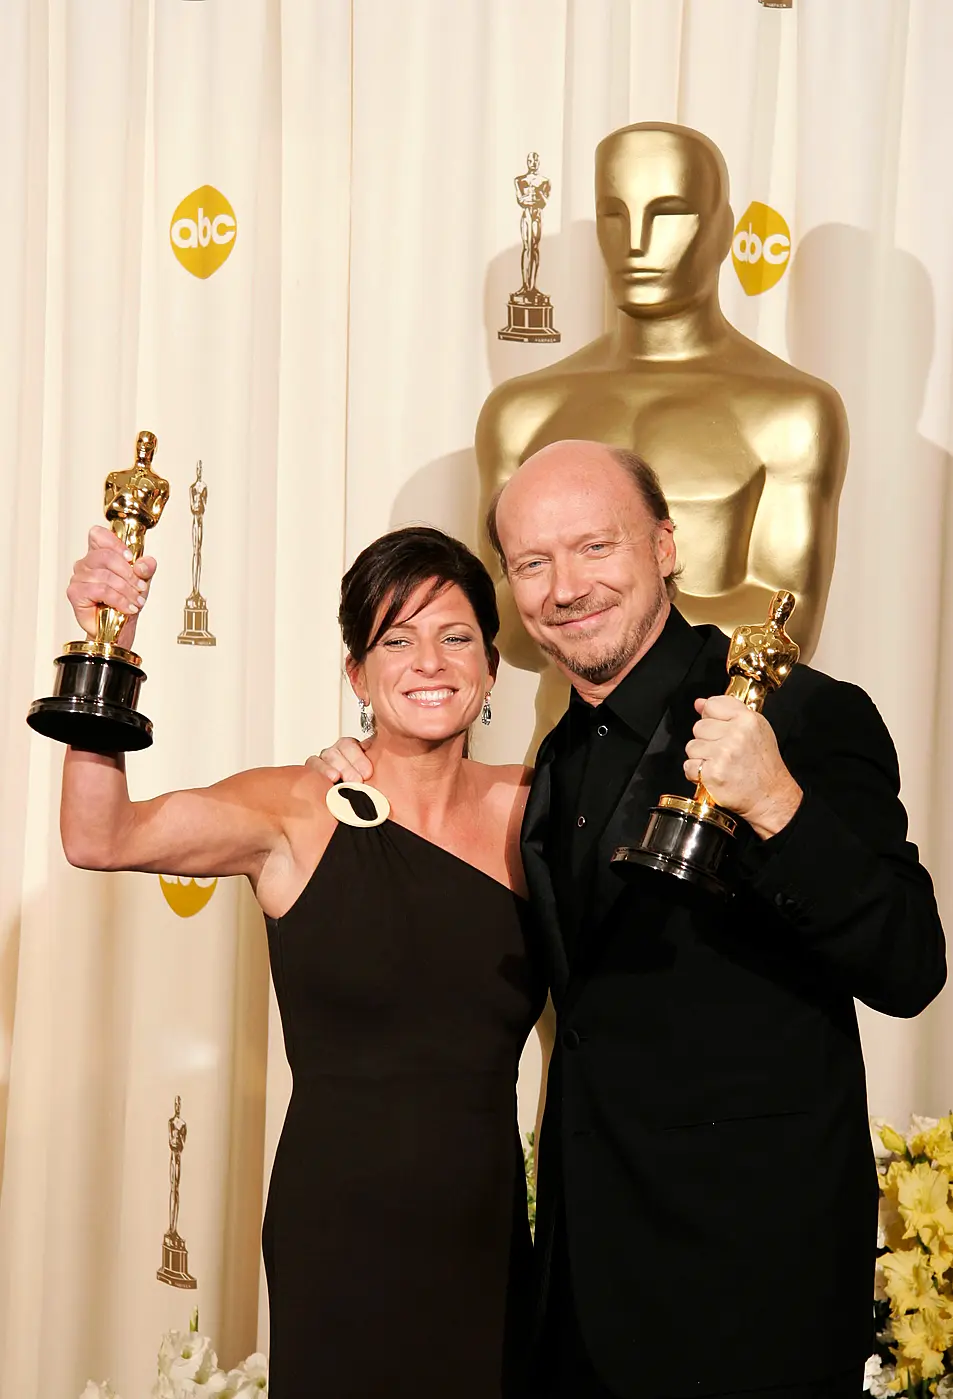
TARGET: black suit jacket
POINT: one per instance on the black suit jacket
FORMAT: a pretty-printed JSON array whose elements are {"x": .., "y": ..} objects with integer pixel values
[{"x": 706, "y": 1121}]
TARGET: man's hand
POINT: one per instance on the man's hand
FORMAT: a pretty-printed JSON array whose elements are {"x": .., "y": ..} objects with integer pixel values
[
  {"x": 344, "y": 761},
  {"x": 736, "y": 752},
  {"x": 107, "y": 577}
]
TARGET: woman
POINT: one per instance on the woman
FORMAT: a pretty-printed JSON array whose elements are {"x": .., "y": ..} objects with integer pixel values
[{"x": 395, "y": 1240}]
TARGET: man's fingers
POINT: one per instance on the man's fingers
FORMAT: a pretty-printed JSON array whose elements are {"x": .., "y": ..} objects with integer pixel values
[
  {"x": 349, "y": 756},
  {"x": 721, "y": 707},
  {"x": 358, "y": 771},
  {"x": 690, "y": 767},
  {"x": 712, "y": 729},
  {"x": 344, "y": 761},
  {"x": 317, "y": 764}
]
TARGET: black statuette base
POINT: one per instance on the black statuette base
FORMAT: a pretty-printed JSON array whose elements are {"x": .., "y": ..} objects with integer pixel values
[
  {"x": 93, "y": 705},
  {"x": 682, "y": 845}
]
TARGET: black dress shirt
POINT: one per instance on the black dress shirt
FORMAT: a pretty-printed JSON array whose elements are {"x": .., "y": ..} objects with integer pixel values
[{"x": 603, "y": 747}]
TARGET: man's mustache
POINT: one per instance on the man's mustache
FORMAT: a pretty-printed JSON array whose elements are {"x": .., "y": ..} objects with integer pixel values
[{"x": 582, "y": 608}]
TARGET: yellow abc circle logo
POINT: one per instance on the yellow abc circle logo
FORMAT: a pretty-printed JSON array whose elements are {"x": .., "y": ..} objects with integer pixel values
[
  {"x": 184, "y": 895},
  {"x": 203, "y": 231},
  {"x": 760, "y": 248}
]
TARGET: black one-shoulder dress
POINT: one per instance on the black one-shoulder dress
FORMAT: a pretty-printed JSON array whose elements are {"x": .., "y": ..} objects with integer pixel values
[{"x": 395, "y": 1239}]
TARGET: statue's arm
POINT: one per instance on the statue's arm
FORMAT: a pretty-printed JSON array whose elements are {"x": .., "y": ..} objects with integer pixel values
[
  {"x": 794, "y": 535},
  {"x": 504, "y": 427}
]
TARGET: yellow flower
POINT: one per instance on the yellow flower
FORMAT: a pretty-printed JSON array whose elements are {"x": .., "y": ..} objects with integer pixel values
[
  {"x": 937, "y": 1144},
  {"x": 893, "y": 1175},
  {"x": 891, "y": 1225},
  {"x": 908, "y": 1281},
  {"x": 907, "y": 1375},
  {"x": 892, "y": 1140},
  {"x": 923, "y": 1200},
  {"x": 924, "y": 1337}
]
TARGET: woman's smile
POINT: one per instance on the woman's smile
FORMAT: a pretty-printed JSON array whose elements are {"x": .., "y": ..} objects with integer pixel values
[{"x": 431, "y": 698}]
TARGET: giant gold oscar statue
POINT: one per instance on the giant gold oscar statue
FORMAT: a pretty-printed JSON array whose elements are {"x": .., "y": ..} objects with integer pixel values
[{"x": 751, "y": 452}]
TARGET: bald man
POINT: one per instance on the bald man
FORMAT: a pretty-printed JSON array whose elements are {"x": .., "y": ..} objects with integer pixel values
[{"x": 707, "y": 1199}]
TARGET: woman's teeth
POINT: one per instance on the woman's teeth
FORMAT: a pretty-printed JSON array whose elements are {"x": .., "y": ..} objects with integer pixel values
[{"x": 431, "y": 697}]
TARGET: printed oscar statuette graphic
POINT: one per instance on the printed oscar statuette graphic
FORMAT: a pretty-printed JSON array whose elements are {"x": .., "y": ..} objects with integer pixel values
[
  {"x": 689, "y": 837},
  {"x": 97, "y": 683},
  {"x": 529, "y": 314},
  {"x": 195, "y": 630},
  {"x": 175, "y": 1255}
]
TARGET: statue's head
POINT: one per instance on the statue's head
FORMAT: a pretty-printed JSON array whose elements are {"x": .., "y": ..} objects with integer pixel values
[
  {"x": 532, "y": 162},
  {"x": 198, "y": 471},
  {"x": 662, "y": 216},
  {"x": 146, "y": 444}
]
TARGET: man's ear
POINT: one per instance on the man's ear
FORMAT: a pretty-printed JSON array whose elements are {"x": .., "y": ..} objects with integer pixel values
[{"x": 665, "y": 548}]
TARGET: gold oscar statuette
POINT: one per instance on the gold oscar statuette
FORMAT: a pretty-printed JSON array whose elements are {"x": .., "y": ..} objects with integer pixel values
[
  {"x": 529, "y": 312},
  {"x": 175, "y": 1255},
  {"x": 689, "y": 837},
  {"x": 97, "y": 683},
  {"x": 195, "y": 630}
]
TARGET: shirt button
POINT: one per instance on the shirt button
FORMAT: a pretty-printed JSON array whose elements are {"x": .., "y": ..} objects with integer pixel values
[
  {"x": 602, "y": 730},
  {"x": 581, "y": 822},
  {"x": 570, "y": 1039}
]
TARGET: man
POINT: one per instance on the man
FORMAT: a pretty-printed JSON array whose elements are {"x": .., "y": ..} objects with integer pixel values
[{"x": 706, "y": 1207}]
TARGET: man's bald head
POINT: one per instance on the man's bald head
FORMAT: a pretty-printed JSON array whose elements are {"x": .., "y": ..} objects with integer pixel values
[
  {"x": 585, "y": 539},
  {"x": 575, "y": 459}
]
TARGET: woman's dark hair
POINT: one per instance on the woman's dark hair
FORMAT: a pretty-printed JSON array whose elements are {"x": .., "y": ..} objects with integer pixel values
[{"x": 388, "y": 572}]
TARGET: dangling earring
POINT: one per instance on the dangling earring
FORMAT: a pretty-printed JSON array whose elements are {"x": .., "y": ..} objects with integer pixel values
[
  {"x": 487, "y": 714},
  {"x": 367, "y": 719}
]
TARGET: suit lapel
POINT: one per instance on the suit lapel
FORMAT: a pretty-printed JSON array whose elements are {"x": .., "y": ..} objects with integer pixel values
[{"x": 538, "y": 878}]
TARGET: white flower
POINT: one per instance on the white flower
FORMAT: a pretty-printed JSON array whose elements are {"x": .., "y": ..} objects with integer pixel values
[
  {"x": 215, "y": 1387},
  {"x": 249, "y": 1380},
  {"x": 187, "y": 1363},
  {"x": 944, "y": 1389},
  {"x": 98, "y": 1391},
  {"x": 922, "y": 1124},
  {"x": 256, "y": 1369},
  {"x": 877, "y": 1379}
]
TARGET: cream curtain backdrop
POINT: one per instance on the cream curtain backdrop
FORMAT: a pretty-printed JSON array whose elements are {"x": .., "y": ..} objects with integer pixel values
[{"x": 329, "y": 375}]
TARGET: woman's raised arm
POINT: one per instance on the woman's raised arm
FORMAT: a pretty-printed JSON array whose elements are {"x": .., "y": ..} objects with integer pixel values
[{"x": 229, "y": 828}]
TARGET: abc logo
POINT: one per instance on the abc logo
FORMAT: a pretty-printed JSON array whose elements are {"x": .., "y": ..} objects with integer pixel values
[
  {"x": 203, "y": 231},
  {"x": 760, "y": 248},
  {"x": 185, "y": 896}
]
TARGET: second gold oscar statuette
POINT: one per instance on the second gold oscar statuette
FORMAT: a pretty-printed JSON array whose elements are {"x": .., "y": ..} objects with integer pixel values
[{"x": 690, "y": 837}]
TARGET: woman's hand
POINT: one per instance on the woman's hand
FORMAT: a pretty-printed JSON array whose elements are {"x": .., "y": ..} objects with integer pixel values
[{"x": 107, "y": 577}]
